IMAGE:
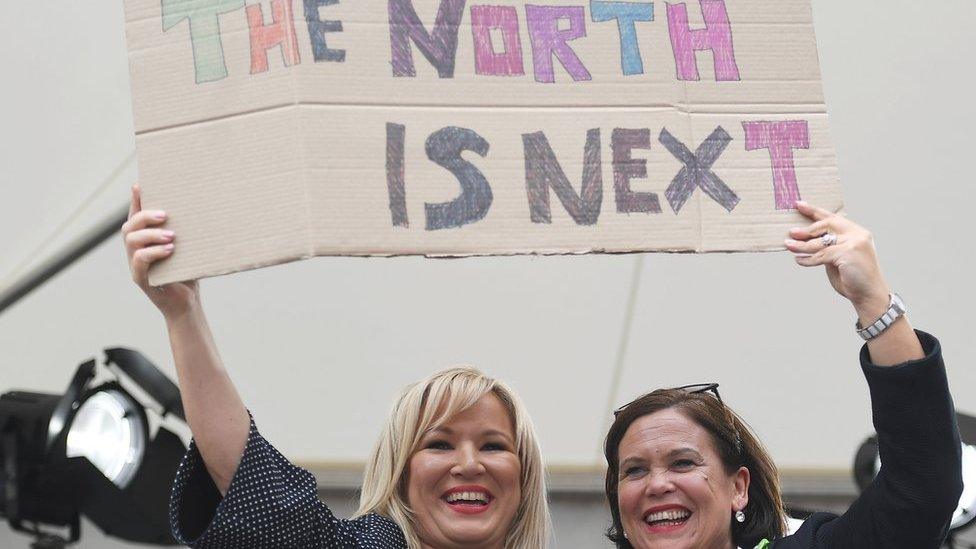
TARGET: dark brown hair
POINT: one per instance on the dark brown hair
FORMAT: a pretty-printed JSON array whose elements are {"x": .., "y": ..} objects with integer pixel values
[{"x": 735, "y": 443}]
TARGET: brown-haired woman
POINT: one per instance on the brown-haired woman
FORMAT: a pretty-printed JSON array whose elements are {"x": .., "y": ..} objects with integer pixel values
[{"x": 684, "y": 471}]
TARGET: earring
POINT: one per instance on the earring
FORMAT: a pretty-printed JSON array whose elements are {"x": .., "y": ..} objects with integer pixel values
[
  {"x": 626, "y": 536},
  {"x": 740, "y": 516}
]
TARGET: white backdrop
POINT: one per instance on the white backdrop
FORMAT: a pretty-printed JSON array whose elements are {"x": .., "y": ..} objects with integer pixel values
[{"x": 319, "y": 347}]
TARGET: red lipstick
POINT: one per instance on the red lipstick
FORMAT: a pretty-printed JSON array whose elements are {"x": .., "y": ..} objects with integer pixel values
[
  {"x": 468, "y": 499},
  {"x": 666, "y": 518}
]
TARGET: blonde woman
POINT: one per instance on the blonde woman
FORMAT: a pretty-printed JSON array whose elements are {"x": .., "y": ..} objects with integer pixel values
[{"x": 457, "y": 464}]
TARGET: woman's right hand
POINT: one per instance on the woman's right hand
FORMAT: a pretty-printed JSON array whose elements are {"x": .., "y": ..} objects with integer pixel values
[
  {"x": 214, "y": 410},
  {"x": 146, "y": 243}
]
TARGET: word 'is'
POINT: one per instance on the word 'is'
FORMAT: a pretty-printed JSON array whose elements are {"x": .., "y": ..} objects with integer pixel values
[
  {"x": 544, "y": 172},
  {"x": 551, "y": 31}
]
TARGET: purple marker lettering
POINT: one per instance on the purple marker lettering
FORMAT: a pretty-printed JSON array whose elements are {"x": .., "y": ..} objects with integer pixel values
[
  {"x": 543, "y": 171},
  {"x": 395, "y": 177},
  {"x": 547, "y": 40},
  {"x": 439, "y": 46},
  {"x": 626, "y": 167}
]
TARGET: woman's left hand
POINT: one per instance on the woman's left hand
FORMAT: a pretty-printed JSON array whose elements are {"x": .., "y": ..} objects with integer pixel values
[{"x": 851, "y": 262}]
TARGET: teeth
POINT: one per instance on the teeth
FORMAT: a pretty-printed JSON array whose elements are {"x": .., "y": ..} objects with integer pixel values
[
  {"x": 674, "y": 514},
  {"x": 467, "y": 496}
]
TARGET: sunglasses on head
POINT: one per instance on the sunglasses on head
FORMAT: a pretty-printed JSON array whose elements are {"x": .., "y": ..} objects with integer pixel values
[{"x": 695, "y": 389}]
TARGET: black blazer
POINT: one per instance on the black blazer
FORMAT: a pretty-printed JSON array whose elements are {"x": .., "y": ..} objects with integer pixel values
[{"x": 910, "y": 502}]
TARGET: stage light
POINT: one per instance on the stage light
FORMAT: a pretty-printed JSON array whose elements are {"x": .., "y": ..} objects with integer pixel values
[
  {"x": 107, "y": 431},
  {"x": 91, "y": 451},
  {"x": 867, "y": 463}
]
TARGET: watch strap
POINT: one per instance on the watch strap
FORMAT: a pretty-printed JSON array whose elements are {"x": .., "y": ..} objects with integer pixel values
[{"x": 896, "y": 309}]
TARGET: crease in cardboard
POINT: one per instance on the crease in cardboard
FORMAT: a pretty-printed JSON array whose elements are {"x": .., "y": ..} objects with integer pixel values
[{"x": 636, "y": 109}]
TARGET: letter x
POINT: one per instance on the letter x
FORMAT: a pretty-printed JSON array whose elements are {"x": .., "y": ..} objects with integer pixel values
[{"x": 697, "y": 171}]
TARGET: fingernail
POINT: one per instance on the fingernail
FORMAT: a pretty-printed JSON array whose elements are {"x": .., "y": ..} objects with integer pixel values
[
  {"x": 790, "y": 242},
  {"x": 168, "y": 234},
  {"x": 159, "y": 215},
  {"x": 168, "y": 248}
]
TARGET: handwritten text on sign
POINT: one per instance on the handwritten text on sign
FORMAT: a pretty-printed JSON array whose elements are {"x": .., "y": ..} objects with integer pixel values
[
  {"x": 551, "y": 31},
  {"x": 498, "y": 52},
  {"x": 475, "y": 127}
]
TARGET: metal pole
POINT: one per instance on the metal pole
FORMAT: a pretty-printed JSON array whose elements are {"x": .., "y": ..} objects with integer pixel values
[{"x": 63, "y": 258}]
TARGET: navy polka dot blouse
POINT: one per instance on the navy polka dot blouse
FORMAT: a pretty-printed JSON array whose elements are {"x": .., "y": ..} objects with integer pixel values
[{"x": 270, "y": 503}]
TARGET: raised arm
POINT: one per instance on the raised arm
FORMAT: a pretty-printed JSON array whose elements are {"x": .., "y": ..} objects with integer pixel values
[
  {"x": 214, "y": 410},
  {"x": 853, "y": 270},
  {"x": 910, "y": 502}
]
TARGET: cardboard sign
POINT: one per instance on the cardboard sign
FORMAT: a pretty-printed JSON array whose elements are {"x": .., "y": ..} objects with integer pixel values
[{"x": 285, "y": 129}]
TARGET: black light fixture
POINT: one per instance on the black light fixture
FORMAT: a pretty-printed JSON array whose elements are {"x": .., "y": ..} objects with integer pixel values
[
  {"x": 867, "y": 463},
  {"x": 91, "y": 452}
]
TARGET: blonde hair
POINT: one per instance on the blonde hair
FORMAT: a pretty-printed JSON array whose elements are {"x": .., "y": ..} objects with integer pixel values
[{"x": 428, "y": 404}]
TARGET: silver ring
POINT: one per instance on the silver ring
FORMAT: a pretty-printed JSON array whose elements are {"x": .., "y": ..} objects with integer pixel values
[{"x": 828, "y": 239}]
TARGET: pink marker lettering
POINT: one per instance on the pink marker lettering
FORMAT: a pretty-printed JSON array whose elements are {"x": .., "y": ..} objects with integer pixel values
[
  {"x": 486, "y": 60},
  {"x": 716, "y": 36},
  {"x": 780, "y": 138}
]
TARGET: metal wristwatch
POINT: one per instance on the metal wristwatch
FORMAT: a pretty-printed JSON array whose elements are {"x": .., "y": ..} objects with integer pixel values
[{"x": 896, "y": 309}]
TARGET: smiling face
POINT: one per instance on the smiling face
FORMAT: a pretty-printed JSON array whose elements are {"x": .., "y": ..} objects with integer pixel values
[
  {"x": 674, "y": 492},
  {"x": 464, "y": 481}
]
